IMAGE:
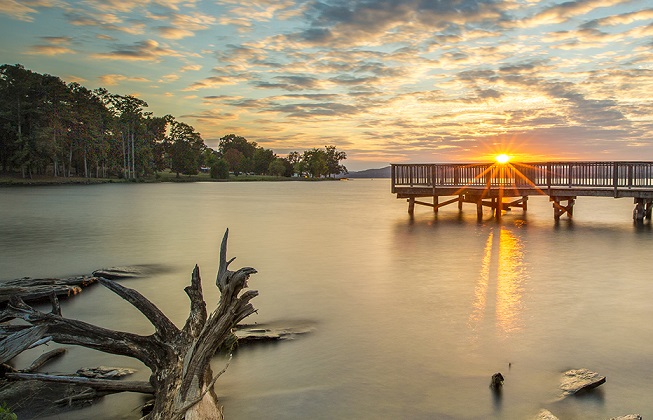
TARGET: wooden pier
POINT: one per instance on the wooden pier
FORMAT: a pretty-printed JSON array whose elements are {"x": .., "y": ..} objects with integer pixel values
[{"x": 502, "y": 186}]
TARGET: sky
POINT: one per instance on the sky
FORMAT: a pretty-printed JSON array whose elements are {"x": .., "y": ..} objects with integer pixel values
[{"x": 386, "y": 81}]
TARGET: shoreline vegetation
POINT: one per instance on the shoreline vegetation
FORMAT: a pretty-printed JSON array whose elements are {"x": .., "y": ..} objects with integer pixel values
[
  {"x": 7, "y": 180},
  {"x": 52, "y": 128}
]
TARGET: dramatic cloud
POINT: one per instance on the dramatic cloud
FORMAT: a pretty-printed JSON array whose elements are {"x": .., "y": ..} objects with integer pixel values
[{"x": 391, "y": 80}]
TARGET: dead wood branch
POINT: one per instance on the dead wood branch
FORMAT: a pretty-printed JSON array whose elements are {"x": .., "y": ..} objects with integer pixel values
[
  {"x": 181, "y": 379},
  {"x": 110, "y": 385},
  {"x": 45, "y": 358}
]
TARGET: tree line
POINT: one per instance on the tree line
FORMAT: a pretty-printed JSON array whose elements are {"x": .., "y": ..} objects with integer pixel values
[{"x": 49, "y": 127}]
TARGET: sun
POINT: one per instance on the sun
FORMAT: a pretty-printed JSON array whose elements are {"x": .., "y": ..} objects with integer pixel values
[{"x": 502, "y": 158}]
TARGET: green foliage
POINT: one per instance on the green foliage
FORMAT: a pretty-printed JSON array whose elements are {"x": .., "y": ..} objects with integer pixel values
[
  {"x": 220, "y": 169},
  {"x": 50, "y": 127},
  {"x": 262, "y": 160},
  {"x": 277, "y": 167},
  {"x": 232, "y": 141},
  {"x": 6, "y": 413},
  {"x": 186, "y": 147}
]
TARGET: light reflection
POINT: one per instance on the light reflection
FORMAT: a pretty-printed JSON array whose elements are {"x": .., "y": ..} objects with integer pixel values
[
  {"x": 502, "y": 267},
  {"x": 509, "y": 282}
]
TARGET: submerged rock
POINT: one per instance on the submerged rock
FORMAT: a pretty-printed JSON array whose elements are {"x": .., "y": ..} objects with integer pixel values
[
  {"x": 496, "y": 381},
  {"x": 545, "y": 414},
  {"x": 628, "y": 417},
  {"x": 577, "y": 380}
]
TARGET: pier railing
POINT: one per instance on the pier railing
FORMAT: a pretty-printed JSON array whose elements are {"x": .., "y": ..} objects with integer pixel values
[{"x": 615, "y": 175}]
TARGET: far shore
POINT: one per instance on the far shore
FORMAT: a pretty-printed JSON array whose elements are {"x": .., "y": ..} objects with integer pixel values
[{"x": 40, "y": 180}]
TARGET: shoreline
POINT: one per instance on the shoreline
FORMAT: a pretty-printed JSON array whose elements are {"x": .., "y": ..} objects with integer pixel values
[{"x": 13, "y": 181}]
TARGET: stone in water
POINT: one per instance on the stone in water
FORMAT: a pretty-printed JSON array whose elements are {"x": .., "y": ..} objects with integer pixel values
[{"x": 577, "y": 380}]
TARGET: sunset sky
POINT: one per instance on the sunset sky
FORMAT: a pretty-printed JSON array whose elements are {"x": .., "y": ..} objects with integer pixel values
[{"x": 391, "y": 81}]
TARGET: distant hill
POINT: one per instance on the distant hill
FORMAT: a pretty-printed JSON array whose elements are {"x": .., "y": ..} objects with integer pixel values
[{"x": 370, "y": 173}]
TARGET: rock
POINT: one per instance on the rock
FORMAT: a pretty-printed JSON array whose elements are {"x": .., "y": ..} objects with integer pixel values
[
  {"x": 545, "y": 414},
  {"x": 577, "y": 380},
  {"x": 496, "y": 381},
  {"x": 628, "y": 417}
]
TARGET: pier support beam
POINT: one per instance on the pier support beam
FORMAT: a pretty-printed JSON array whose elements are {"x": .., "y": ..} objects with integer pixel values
[
  {"x": 435, "y": 204},
  {"x": 411, "y": 206},
  {"x": 560, "y": 209},
  {"x": 643, "y": 209}
]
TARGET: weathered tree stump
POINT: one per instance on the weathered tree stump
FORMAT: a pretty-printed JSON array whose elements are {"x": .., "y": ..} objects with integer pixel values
[{"x": 181, "y": 380}]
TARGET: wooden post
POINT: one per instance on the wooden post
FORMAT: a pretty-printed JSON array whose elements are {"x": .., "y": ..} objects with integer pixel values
[
  {"x": 435, "y": 204},
  {"x": 525, "y": 202},
  {"x": 460, "y": 202},
  {"x": 479, "y": 208},
  {"x": 639, "y": 211},
  {"x": 649, "y": 209},
  {"x": 411, "y": 205}
]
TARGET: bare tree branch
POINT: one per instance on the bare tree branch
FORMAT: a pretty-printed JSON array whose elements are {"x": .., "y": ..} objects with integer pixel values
[{"x": 166, "y": 329}]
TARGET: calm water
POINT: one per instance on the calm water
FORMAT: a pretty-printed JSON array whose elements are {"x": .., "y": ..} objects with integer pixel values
[{"x": 411, "y": 317}]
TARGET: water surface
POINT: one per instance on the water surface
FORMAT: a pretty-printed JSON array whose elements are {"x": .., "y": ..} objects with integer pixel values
[{"x": 412, "y": 316}]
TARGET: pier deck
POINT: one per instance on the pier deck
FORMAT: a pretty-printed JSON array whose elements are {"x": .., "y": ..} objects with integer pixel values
[{"x": 489, "y": 185}]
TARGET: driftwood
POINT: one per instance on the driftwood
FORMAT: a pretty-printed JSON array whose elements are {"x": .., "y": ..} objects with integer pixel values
[
  {"x": 45, "y": 358},
  {"x": 181, "y": 380},
  {"x": 34, "y": 290}
]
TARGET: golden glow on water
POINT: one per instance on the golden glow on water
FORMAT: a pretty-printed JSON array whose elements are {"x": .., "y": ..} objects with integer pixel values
[
  {"x": 503, "y": 267},
  {"x": 483, "y": 280},
  {"x": 510, "y": 276}
]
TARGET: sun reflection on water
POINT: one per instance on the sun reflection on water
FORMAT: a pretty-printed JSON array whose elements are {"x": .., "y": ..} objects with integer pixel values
[{"x": 502, "y": 273}]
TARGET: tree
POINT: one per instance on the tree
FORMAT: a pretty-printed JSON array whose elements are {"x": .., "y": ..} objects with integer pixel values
[
  {"x": 333, "y": 158},
  {"x": 315, "y": 162},
  {"x": 186, "y": 146},
  {"x": 262, "y": 159},
  {"x": 220, "y": 169},
  {"x": 233, "y": 157},
  {"x": 129, "y": 112},
  {"x": 277, "y": 167},
  {"x": 232, "y": 141}
]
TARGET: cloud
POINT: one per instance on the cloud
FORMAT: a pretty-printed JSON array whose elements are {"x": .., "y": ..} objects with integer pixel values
[
  {"x": 620, "y": 19},
  {"x": 148, "y": 50},
  {"x": 48, "y": 50},
  {"x": 169, "y": 78},
  {"x": 168, "y": 32},
  {"x": 346, "y": 23},
  {"x": 56, "y": 45},
  {"x": 191, "y": 67},
  {"x": 291, "y": 83},
  {"x": 563, "y": 12},
  {"x": 115, "y": 79},
  {"x": 24, "y": 9},
  {"x": 16, "y": 10},
  {"x": 215, "y": 82},
  {"x": 106, "y": 21}
]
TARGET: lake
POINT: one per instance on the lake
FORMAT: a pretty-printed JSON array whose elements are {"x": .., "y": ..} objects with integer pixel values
[{"x": 412, "y": 316}]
